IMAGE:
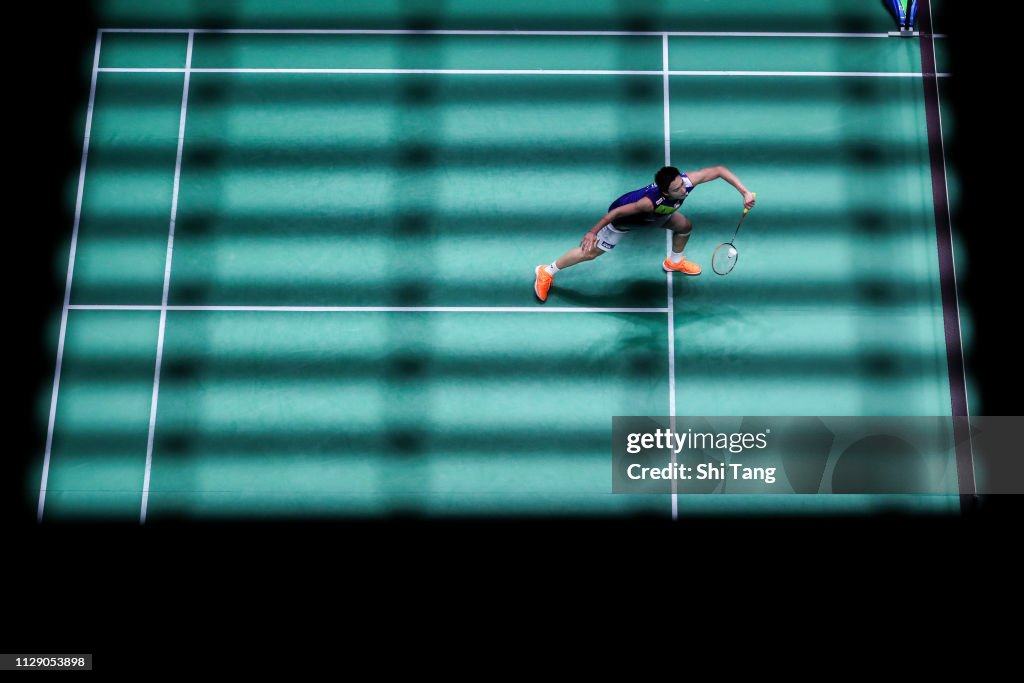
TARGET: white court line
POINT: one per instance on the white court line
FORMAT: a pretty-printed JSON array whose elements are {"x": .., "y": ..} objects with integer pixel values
[
  {"x": 67, "y": 285},
  {"x": 534, "y": 72},
  {"x": 820, "y": 74},
  {"x": 460, "y": 32},
  {"x": 167, "y": 284},
  {"x": 141, "y": 70},
  {"x": 470, "y": 72},
  {"x": 666, "y": 120},
  {"x": 668, "y": 276},
  {"x": 369, "y": 309}
]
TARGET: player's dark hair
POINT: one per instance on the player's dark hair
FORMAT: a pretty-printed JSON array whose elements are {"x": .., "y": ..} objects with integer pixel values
[{"x": 665, "y": 176}]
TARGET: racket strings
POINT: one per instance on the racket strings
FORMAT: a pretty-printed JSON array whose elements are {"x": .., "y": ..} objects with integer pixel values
[{"x": 724, "y": 258}]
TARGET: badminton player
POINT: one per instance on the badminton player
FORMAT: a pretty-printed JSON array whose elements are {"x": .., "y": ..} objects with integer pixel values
[{"x": 656, "y": 205}]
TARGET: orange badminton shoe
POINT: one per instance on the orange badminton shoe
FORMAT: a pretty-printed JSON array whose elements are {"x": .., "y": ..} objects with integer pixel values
[
  {"x": 543, "y": 282},
  {"x": 685, "y": 267}
]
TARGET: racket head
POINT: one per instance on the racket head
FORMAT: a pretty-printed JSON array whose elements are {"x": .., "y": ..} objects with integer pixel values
[{"x": 724, "y": 258}]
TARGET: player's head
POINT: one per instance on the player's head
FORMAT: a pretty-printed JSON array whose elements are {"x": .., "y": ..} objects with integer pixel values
[
  {"x": 669, "y": 180},
  {"x": 664, "y": 177}
]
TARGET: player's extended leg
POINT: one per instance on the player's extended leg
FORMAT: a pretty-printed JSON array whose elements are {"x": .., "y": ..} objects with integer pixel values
[
  {"x": 681, "y": 228},
  {"x": 607, "y": 238},
  {"x": 574, "y": 256}
]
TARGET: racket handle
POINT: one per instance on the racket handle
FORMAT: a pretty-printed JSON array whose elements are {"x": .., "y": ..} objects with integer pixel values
[{"x": 745, "y": 210}]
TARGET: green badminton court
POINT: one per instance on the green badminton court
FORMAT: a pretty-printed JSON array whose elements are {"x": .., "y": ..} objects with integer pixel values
[{"x": 299, "y": 282}]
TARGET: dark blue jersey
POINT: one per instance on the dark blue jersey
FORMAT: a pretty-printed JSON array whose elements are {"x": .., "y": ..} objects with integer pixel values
[{"x": 662, "y": 205}]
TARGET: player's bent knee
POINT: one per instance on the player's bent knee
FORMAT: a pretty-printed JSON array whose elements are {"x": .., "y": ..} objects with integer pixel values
[{"x": 685, "y": 229}]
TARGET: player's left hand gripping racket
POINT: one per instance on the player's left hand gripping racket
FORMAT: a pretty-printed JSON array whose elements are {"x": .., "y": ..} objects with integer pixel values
[{"x": 726, "y": 255}]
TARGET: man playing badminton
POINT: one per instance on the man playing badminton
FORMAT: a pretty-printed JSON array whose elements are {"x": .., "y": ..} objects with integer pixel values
[{"x": 656, "y": 205}]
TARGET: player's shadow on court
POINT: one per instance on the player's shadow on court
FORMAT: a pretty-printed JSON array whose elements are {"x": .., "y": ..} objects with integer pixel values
[{"x": 629, "y": 290}]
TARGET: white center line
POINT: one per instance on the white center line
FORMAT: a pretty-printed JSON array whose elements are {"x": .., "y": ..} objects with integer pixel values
[
  {"x": 167, "y": 283},
  {"x": 668, "y": 276}
]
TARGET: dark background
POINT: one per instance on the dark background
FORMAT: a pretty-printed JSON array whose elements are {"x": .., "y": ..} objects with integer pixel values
[{"x": 77, "y": 570}]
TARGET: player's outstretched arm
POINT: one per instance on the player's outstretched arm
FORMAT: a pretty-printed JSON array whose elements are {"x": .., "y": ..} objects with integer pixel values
[{"x": 714, "y": 172}]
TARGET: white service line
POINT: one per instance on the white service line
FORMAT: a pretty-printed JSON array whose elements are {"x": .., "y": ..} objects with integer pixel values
[
  {"x": 142, "y": 70},
  {"x": 485, "y": 32},
  {"x": 167, "y": 284},
  {"x": 67, "y": 286},
  {"x": 668, "y": 276},
  {"x": 534, "y": 72},
  {"x": 468, "y": 72},
  {"x": 368, "y": 309},
  {"x": 816, "y": 74}
]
